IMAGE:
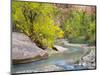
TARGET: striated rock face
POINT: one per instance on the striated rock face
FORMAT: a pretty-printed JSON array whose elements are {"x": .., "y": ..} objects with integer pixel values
[{"x": 23, "y": 50}]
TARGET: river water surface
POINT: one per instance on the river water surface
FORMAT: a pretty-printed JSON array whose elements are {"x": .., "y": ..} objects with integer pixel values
[{"x": 67, "y": 60}]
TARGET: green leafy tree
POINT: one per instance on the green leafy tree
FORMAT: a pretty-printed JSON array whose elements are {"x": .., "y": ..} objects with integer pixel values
[
  {"x": 37, "y": 21},
  {"x": 80, "y": 27}
]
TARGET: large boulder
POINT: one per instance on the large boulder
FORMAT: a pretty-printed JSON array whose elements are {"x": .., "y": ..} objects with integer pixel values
[{"x": 24, "y": 50}]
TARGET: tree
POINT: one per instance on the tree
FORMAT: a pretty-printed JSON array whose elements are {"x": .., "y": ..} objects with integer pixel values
[{"x": 37, "y": 21}]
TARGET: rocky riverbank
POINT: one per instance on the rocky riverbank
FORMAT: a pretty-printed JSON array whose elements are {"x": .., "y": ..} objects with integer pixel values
[
  {"x": 24, "y": 50},
  {"x": 66, "y": 56},
  {"x": 89, "y": 60}
]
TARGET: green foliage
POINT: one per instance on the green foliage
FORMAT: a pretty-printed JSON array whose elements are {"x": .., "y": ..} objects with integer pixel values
[
  {"x": 37, "y": 21},
  {"x": 80, "y": 27}
]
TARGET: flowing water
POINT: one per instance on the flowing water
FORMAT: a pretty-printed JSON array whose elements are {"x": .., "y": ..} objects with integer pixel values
[{"x": 56, "y": 62}]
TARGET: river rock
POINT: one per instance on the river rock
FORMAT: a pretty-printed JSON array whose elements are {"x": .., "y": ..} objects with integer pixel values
[
  {"x": 60, "y": 48},
  {"x": 89, "y": 60},
  {"x": 24, "y": 50}
]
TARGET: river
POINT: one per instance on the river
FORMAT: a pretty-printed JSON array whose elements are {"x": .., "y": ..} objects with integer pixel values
[{"x": 67, "y": 60}]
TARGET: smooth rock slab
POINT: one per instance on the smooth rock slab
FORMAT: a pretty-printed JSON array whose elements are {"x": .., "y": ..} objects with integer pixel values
[
  {"x": 60, "y": 48},
  {"x": 24, "y": 50}
]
